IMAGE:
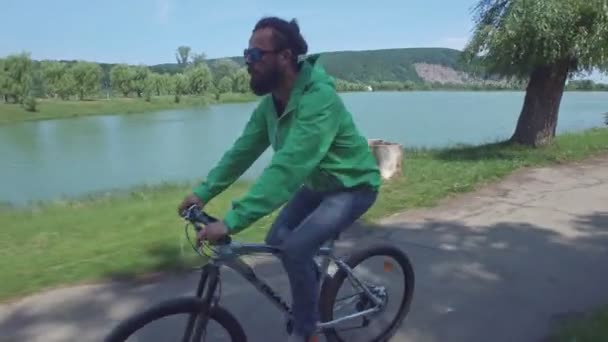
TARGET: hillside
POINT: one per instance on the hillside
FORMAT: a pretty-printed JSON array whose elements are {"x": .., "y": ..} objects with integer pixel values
[{"x": 399, "y": 65}]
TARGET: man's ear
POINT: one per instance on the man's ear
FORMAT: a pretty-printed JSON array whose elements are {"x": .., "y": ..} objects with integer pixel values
[{"x": 286, "y": 56}]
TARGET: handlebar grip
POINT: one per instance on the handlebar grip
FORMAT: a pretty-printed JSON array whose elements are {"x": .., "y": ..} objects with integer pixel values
[
  {"x": 226, "y": 240},
  {"x": 204, "y": 218}
]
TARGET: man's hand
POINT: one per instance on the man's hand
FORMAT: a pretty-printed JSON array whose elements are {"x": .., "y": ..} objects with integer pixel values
[
  {"x": 189, "y": 201},
  {"x": 212, "y": 232}
]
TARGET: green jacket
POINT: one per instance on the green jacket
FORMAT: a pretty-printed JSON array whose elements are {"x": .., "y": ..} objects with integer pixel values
[{"x": 315, "y": 142}]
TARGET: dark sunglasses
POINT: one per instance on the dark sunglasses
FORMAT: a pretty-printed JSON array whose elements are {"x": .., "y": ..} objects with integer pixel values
[{"x": 253, "y": 55}]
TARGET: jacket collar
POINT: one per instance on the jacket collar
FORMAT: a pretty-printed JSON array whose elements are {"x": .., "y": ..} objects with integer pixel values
[{"x": 303, "y": 81}]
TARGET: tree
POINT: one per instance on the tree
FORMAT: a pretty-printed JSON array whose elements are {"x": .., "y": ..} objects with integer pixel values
[
  {"x": 198, "y": 58},
  {"x": 3, "y": 81},
  {"x": 180, "y": 85},
  {"x": 545, "y": 42},
  {"x": 241, "y": 81},
  {"x": 199, "y": 78},
  {"x": 224, "y": 67},
  {"x": 17, "y": 76},
  {"x": 121, "y": 78},
  {"x": 157, "y": 83},
  {"x": 66, "y": 87},
  {"x": 182, "y": 55},
  {"x": 168, "y": 83},
  {"x": 52, "y": 73},
  {"x": 225, "y": 84},
  {"x": 87, "y": 78},
  {"x": 140, "y": 75}
]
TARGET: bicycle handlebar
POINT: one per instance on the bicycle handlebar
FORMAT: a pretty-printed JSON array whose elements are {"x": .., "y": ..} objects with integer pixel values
[{"x": 194, "y": 214}]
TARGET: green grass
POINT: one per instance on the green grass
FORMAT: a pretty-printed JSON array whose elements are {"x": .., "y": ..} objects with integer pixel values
[
  {"x": 136, "y": 232},
  {"x": 56, "y": 109},
  {"x": 592, "y": 327}
]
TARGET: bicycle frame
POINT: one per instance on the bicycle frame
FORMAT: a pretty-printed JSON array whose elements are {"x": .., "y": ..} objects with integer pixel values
[{"x": 230, "y": 256}]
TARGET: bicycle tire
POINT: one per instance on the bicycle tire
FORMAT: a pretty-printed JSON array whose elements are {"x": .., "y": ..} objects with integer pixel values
[
  {"x": 170, "y": 307},
  {"x": 332, "y": 285}
]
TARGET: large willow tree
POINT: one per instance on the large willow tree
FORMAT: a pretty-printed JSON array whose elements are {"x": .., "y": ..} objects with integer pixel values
[{"x": 543, "y": 42}]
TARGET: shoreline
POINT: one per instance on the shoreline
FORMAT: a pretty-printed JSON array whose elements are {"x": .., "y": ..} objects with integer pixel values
[{"x": 52, "y": 109}]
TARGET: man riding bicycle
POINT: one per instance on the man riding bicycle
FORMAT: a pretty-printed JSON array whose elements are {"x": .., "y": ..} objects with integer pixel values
[{"x": 322, "y": 169}]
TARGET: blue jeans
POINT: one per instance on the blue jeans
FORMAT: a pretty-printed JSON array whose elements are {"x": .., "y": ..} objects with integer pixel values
[{"x": 307, "y": 221}]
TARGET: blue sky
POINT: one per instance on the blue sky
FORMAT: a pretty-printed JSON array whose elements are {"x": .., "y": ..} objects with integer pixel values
[
  {"x": 139, "y": 31},
  {"x": 149, "y": 31}
]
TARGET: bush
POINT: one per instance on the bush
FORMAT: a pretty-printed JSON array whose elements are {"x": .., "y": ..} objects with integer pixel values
[{"x": 29, "y": 103}]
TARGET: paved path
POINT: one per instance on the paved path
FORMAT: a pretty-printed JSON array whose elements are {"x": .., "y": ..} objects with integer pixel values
[{"x": 505, "y": 263}]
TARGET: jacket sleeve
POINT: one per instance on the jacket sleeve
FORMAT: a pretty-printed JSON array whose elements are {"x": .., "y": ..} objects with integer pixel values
[
  {"x": 252, "y": 142},
  {"x": 314, "y": 127}
]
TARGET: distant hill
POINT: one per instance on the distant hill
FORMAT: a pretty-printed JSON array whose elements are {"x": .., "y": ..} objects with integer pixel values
[{"x": 417, "y": 65}]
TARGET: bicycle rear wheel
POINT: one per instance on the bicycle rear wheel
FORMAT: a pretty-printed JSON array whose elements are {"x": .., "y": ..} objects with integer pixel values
[
  {"x": 391, "y": 261},
  {"x": 188, "y": 306}
]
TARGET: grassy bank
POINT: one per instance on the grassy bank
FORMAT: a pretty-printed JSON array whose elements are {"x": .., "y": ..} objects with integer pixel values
[
  {"x": 593, "y": 327},
  {"x": 57, "y": 109},
  {"x": 137, "y": 232}
]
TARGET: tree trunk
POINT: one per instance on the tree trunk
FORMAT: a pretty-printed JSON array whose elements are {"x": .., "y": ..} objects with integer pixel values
[
  {"x": 389, "y": 157},
  {"x": 538, "y": 119}
]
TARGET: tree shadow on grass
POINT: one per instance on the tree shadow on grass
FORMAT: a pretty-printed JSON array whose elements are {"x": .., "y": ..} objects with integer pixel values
[{"x": 509, "y": 281}]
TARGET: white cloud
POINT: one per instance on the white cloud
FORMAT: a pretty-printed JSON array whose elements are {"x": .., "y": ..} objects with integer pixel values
[{"x": 163, "y": 10}]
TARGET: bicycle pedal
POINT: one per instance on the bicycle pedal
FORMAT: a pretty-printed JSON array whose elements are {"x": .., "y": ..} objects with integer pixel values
[{"x": 289, "y": 326}]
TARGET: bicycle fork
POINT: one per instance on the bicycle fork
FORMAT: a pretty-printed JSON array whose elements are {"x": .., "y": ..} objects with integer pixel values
[{"x": 209, "y": 276}]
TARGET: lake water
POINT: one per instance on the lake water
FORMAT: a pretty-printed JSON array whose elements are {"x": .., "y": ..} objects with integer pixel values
[{"x": 71, "y": 157}]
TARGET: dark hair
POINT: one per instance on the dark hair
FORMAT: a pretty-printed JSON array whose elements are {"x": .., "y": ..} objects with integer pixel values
[{"x": 286, "y": 35}]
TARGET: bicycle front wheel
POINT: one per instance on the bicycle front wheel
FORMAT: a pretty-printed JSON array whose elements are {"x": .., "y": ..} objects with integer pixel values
[
  {"x": 387, "y": 273},
  {"x": 170, "y": 321}
]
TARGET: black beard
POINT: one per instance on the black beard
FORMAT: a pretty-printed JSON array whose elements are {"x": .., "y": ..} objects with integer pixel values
[{"x": 264, "y": 84}]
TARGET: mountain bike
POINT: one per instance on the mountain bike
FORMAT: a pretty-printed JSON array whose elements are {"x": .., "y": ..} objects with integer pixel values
[{"x": 204, "y": 306}]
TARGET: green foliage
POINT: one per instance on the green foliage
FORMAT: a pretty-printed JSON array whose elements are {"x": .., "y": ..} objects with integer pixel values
[
  {"x": 29, "y": 103},
  {"x": 360, "y": 66},
  {"x": 4, "y": 82},
  {"x": 180, "y": 84},
  {"x": 182, "y": 55},
  {"x": 66, "y": 87},
  {"x": 225, "y": 84},
  {"x": 241, "y": 81},
  {"x": 140, "y": 76},
  {"x": 16, "y": 77},
  {"x": 199, "y": 78},
  {"x": 198, "y": 58},
  {"x": 513, "y": 37},
  {"x": 53, "y": 72},
  {"x": 387, "y": 64},
  {"x": 587, "y": 85},
  {"x": 121, "y": 78},
  {"x": 342, "y": 85},
  {"x": 87, "y": 77},
  {"x": 222, "y": 68},
  {"x": 157, "y": 83}
]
